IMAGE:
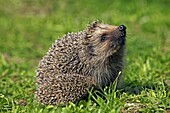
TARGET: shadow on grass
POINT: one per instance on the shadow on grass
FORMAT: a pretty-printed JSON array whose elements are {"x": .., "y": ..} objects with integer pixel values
[{"x": 135, "y": 87}]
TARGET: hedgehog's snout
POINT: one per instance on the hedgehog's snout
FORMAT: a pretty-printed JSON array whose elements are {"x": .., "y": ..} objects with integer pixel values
[
  {"x": 121, "y": 39},
  {"x": 122, "y": 29},
  {"x": 118, "y": 36}
]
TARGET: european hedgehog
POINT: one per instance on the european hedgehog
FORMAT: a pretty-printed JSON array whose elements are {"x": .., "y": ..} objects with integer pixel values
[{"x": 80, "y": 61}]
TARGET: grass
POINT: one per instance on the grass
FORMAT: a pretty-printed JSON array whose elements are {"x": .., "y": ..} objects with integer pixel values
[{"x": 28, "y": 28}]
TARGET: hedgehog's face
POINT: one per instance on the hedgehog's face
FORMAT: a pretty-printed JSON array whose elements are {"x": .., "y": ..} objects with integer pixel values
[{"x": 105, "y": 39}]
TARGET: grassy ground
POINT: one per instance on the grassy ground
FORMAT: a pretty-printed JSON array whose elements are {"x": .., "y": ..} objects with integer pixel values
[{"x": 28, "y": 28}]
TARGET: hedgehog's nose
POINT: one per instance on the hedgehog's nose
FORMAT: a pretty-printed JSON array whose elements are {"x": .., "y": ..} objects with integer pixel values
[{"x": 122, "y": 27}]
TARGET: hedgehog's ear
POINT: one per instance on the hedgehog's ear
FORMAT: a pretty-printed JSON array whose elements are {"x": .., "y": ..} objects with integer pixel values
[{"x": 92, "y": 26}]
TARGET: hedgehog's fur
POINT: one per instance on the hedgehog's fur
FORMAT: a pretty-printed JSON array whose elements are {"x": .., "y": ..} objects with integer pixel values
[{"x": 79, "y": 61}]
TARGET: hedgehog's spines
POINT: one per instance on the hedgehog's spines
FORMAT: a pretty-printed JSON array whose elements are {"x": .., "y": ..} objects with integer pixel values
[{"x": 91, "y": 26}]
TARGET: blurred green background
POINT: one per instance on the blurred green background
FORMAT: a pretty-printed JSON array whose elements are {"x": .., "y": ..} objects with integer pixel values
[{"x": 29, "y": 27}]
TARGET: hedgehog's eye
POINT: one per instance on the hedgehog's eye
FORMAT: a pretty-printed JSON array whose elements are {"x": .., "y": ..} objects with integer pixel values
[{"x": 103, "y": 37}]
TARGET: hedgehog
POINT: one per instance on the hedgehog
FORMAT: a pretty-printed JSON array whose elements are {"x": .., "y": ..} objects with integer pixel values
[{"x": 77, "y": 62}]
